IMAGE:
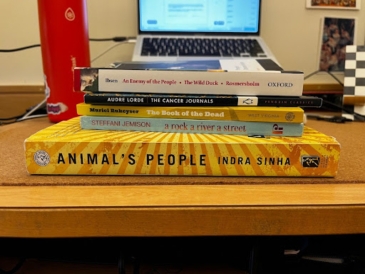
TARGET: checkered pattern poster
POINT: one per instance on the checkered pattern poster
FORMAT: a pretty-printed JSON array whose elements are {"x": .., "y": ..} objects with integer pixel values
[{"x": 354, "y": 81}]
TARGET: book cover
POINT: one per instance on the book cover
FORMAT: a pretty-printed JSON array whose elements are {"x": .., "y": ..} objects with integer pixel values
[
  {"x": 155, "y": 99},
  {"x": 228, "y": 77},
  {"x": 191, "y": 126},
  {"x": 65, "y": 148},
  {"x": 239, "y": 113}
]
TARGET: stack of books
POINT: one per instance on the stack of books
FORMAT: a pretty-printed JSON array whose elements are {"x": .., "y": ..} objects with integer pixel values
[
  {"x": 194, "y": 97},
  {"x": 201, "y": 118}
]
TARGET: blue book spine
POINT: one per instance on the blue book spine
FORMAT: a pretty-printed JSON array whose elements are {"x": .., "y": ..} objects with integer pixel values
[{"x": 192, "y": 126}]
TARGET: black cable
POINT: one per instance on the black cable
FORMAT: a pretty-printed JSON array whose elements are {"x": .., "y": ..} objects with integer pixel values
[
  {"x": 2, "y": 123},
  {"x": 20, "y": 119},
  {"x": 100, "y": 39},
  {"x": 6, "y": 123},
  {"x": 356, "y": 115},
  {"x": 7, "y": 120},
  {"x": 334, "y": 77},
  {"x": 12, "y": 118},
  {"x": 311, "y": 74},
  {"x": 115, "y": 39},
  {"x": 19, "y": 49},
  {"x": 328, "y": 72},
  {"x": 15, "y": 268}
]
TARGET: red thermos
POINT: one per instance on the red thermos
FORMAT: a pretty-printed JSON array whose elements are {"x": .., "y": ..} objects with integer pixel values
[{"x": 64, "y": 44}]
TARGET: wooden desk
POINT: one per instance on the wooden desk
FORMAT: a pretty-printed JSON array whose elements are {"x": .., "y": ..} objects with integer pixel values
[{"x": 63, "y": 206}]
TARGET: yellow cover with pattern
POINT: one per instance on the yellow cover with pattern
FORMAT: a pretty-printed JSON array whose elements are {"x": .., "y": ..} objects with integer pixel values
[
  {"x": 239, "y": 113},
  {"x": 65, "y": 148}
]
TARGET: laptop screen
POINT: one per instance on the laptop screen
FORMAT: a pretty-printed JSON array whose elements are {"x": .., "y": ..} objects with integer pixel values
[{"x": 199, "y": 16}]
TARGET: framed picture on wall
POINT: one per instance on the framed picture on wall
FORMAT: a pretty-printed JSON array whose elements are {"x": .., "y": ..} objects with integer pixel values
[
  {"x": 336, "y": 34},
  {"x": 334, "y": 4}
]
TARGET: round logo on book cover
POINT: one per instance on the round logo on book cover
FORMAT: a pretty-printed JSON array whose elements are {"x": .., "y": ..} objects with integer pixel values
[
  {"x": 41, "y": 158},
  {"x": 290, "y": 116}
]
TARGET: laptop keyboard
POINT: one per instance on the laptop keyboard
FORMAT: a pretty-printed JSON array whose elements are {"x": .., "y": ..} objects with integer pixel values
[{"x": 202, "y": 47}]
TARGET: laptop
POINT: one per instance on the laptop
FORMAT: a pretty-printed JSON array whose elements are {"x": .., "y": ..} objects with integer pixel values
[{"x": 173, "y": 30}]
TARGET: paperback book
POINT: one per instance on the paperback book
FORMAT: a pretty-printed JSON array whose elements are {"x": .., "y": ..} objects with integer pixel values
[
  {"x": 67, "y": 149},
  {"x": 228, "y": 77},
  {"x": 239, "y": 113},
  {"x": 155, "y": 99},
  {"x": 191, "y": 126}
]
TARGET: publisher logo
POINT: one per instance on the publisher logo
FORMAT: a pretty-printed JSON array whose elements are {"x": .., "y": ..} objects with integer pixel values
[
  {"x": 41, "y": 158},
  {"x": 280, "y": 85},
  {"x": 247, "y": 102},
  {"x": 276, "y": 129},
  {"x": 310, "y": 161},
  {"x": 290, "y": 116}
]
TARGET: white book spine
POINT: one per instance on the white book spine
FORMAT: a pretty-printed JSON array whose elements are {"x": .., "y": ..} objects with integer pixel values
[{"x": 203, "y": 82}]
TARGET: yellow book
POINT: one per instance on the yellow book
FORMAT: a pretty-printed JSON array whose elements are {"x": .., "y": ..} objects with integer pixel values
[
  {"x": 247, "y": 114},
  {"x": 65, "y": 148}
]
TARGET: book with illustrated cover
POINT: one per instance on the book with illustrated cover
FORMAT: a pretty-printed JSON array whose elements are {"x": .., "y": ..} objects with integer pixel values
[
  {"x": 221, "y": 77},
  {"x": 239, "y": 113},
  {"x": 191, "y": 126},
  {"x": 66, "y": 149},
  {"x": 155, "y": 99}
]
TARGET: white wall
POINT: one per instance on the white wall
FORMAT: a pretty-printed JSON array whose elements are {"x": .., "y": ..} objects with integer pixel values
[
  {"x": 19, "y": 27},
  {"x": 291, "y": 31}
]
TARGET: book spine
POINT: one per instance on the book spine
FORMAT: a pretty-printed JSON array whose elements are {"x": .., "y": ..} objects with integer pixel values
[
  {"x": 200, "y": 156},
  {"x": 190, "y": 82},
  {"x": 134, "y": 99},
  {"x": 251, "y": 114},
  {"x": 191, "y": 126}
]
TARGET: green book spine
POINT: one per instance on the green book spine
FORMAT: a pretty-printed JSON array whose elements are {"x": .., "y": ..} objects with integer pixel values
[{"x": 191, "y": 126}]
